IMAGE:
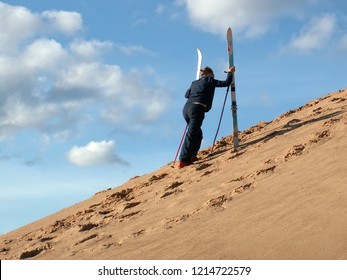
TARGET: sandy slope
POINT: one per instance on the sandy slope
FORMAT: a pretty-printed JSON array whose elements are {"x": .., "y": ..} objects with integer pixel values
[{"x": 282, "y": 195}]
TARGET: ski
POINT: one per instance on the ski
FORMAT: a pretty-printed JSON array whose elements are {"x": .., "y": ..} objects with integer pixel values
[
  {"x": 198, "y": 70},
  {"x": 233, "y": 91}
]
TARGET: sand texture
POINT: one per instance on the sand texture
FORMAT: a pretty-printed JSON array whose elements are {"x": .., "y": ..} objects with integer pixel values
[{"x": 281, "y": 195}]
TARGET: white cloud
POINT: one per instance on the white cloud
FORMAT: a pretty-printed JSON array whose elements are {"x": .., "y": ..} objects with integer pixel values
[
  {"x": 134, "y": 49},
  {"x": 51, "y": 87},
  {"x": 89, "y": 50},
  {"x": 19, "y": 115},
  {"x": 160, "y": 9},
  {"x": 94, "y": 153},
  {"x": 43, "y": 54},
  {"x": 139, "y": 104},
  {"x": 140, "y": 22},
  {"x": 252, "y": 18},
  {"x": 315, "y": 35},
  {"x": 64, "y": 21},
  {"x": 93, "y": 77},
  {"x": 17, "y": 24},
  {"x": 48, "y": 118},
  {"x": 155, "y": 108}
]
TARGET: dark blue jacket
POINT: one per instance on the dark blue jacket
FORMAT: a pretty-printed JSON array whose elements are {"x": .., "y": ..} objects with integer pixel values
[{"x": 202, "y": 90}]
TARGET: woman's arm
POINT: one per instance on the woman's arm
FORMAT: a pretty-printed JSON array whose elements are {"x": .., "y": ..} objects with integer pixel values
[{"x": 228, "y": 80}]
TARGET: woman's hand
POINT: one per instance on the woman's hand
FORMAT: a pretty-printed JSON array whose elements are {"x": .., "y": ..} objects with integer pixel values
[{"x": 231, "y": 69}]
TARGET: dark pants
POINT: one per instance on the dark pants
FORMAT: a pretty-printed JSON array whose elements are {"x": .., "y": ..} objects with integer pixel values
[{"x": 194, "y": 115}]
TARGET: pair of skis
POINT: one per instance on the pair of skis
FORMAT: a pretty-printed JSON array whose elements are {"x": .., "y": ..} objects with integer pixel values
[
  {"x": 233, "y": 91},
  {"x": 233, "y": 94}
]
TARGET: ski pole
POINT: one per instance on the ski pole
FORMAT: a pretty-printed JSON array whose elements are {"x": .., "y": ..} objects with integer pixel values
[
  {"x": 220, "y": 119},
  {"x": 179, "y": 146}
]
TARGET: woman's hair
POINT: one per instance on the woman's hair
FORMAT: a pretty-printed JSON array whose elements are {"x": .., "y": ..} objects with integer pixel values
[{"x": 207, "y": 71}]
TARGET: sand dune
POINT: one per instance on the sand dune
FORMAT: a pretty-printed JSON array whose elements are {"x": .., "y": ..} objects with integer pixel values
[{"x": 281, "y": 195}]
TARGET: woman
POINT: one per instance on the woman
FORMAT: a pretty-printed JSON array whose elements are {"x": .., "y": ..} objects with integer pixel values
[{"x": 200, "y": 98}]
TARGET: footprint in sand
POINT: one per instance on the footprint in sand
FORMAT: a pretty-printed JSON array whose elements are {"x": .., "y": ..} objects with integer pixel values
[
  {"x": 174, "y": 185},
  {"x": 338, "y": 99},
  {"x": 122, "y": 240},
  {"x": 256, "y": 128},
  {"x": 294, "y": 151},
  {"x": 319, "y": 136},
  {"x": 244, "y": 188},
  {"x": 48, "y": 238},
  {"x": 131, "y": 205},
  {"x": 4, "y": 250},
  {"x": 332, "y": 121},
  {"x": 63, "y": 224},
  {"x": 86, "y": 239},
  {"x": 34, "y": 252},
  {"x": 239, "y": 179},
  {"x": 237, "y": 154},
  {"x": 172, "y": 189},
  {"x": 87, "y": 227},
  {"x": 121, "y": 195},
  {"x": 105, "y": 212},
  {"x": 30, "y": 254},
  {"x": 138, "y": 233},
  {"x": 266, "y": 170},
  {"x": 155, "y": 178},
  {"x": 218, "y": 202},
  {"x": 170, "y": 222},
  {"x": 129, "y": 215},
  {"x": 207, "y": 173},
  {"x": 203, "y": 166},
  {"x": 318, "y": 111},
  {"x": 95, "y": 205}
]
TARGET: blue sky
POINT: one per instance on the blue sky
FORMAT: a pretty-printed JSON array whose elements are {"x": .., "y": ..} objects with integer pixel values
[{"x": 91, "y": 91}]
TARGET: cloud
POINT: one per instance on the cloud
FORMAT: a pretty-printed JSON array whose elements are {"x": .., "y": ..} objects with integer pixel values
[
  {"x": 160, "y": 9},
  {"x": 19, "y": 115},
  {"x": 342, "y": 44},
  {"x": 249, "y": 17},
  {"x": 89, "y": 50},
  {"x": 314, "y": 35},
  {"x": 19, "y": 24},
  {"x": 140, "y": 105},
  {"x": 53, "y": 87},
  {"x": 134, "y": 49},
  {"x": 94, "y": 153},
  {"x": 139, "y": 22},
  {"x": 43, "y": 54},
  {"x": 63, "y": 21}
]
